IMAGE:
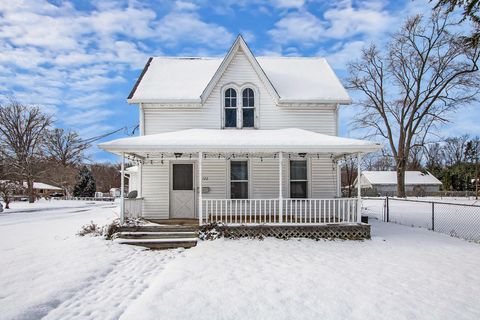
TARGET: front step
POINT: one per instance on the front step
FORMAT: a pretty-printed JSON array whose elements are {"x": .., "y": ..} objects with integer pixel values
[
  {"x": 160, "y": 243},
  {"x": 156, "y": 235},
  {"x": 159, "y": 236},
  {"x": 159, "y": 228}
]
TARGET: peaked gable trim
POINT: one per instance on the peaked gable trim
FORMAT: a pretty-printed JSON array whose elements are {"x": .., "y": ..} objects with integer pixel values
[
  {"x": 237, "y": 45},
  {"x": 130, "y": 96}
]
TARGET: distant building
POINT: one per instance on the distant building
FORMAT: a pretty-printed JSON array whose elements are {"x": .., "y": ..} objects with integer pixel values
[
  {"x": 385, "y": 182},
  {"x": 41, "y": 189}
]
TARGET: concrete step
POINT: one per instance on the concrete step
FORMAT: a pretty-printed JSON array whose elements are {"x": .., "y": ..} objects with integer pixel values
[
  {"x": 160, "y": 243},
  {"x": 156, "y": 235},
  {"x": 159, "y": 228}
]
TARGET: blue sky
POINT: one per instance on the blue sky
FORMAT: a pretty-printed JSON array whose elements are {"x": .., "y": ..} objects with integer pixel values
[{"x": 79, "y": 59}]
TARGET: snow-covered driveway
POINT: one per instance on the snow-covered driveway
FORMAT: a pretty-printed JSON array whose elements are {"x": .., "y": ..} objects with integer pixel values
[{"x": 402, "y": 273}]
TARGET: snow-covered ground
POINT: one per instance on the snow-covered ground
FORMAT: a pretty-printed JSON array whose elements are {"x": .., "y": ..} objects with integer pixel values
[
  {"x": 402, "y": 273},
  {"x": 458, "y": 217},
  {"x": 46, "y": 270}
]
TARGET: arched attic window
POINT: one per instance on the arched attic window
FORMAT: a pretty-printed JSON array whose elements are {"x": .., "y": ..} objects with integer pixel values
[
  {"x": 248, "y": 108},
  {"x": 230, "y": 108}
]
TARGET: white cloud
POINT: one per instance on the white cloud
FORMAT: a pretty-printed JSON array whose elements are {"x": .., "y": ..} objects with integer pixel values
[
  {"x": 288, "y": 3},
  {"x": 340, "y": 56},
  {"x": 340, "y": 21},
  {"x": 299, "y": 27},
  {"x": 188, "y": 27}
]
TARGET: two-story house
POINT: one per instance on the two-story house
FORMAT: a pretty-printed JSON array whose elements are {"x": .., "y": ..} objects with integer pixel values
[{"x": 240, "y": 140}]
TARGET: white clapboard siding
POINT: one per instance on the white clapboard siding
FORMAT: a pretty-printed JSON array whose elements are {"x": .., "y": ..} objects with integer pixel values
[
  {"x": 155, "y": 190},
  {"x": 324, "y": 178},
  {"x": 163, "y": 118},
  {"x": 264, "y": 178},
  {"x": 214, "y": 173}
]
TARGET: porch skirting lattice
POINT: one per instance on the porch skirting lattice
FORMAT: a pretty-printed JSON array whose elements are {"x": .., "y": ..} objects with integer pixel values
[{"x": 358, "y": 231}]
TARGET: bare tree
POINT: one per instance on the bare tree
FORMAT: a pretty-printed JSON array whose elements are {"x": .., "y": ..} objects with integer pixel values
[
  {"x": 8, "y": 188},
  {"x": 425, "y": 73},
  {"x": 22, "y": 139},
  {"x": 348, "y": 173},
  {"x": 454, "y": 149},
  {"x": 65, "y": 147}
]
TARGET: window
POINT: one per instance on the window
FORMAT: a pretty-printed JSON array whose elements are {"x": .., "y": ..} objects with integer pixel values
[
  {"x": 298, "y": 179},
  {"x": 230, "y": 108},
  {"x": 239, "y": 179},
  {"x": 182, "y": 176},
  {"x": 248, "y": 108}
]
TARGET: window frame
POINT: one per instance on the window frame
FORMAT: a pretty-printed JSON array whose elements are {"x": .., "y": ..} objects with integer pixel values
[
  {"x": 239, "y": 106},
  {"x": 248, "y": 181},
  {"x": 307, "y": 179},
  {"x": 244, "y": 89},
  {"x": 225, "y": 108}
]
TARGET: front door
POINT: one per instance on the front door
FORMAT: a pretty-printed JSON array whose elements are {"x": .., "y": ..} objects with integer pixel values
[{"x": 182, "y": 204}]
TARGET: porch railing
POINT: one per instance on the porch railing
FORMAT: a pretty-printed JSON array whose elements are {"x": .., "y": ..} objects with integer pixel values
[
  {"x": 267, "y": 211},
  {"x": 133, "y": 207}
]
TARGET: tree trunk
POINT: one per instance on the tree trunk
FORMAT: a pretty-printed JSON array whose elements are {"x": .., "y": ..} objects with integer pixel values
[
  {"x": 401, "y": 178},
  {"x": 31, "y": 196}
]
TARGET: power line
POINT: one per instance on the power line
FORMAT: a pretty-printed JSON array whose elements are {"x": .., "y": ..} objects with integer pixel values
[{"x": 96, "y": 138}]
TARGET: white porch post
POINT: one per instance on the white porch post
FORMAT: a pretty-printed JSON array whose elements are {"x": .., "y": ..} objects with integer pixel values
[
  {"x": 280, "y": 186},
  {"x": 122, "y": 189},
  {"x": 140, "y": 180},
  {"x": 200, "y": 188},
  {"x": 359, "y": 189},
  {"x": 339, "y": 180}
]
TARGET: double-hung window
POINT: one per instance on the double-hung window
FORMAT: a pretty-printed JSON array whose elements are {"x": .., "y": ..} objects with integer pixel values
[
  {"x": 239, "y": 179},
  {"x": 298, "y": 179},
  {"x": 230, "y": 108},
  {"x": 248, "y": 108}
]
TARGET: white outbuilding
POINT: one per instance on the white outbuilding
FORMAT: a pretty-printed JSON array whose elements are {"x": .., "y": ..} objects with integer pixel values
[{"x": 385, "y": 182}]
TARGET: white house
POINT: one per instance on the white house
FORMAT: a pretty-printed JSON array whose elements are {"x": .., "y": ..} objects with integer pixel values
[
  {"x": 132, "y": 174},
  {"x": 240, "y": 140},
  {"x": 385, "y": 182}
]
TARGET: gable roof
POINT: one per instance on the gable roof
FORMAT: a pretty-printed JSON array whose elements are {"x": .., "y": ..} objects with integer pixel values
[
  {"x": 390, "y": 177},
  {"x": 238, "y": 45},
  {"x": 191, "y": 79}
]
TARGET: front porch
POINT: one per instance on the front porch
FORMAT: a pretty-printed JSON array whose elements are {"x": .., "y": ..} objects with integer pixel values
[{"x": 274, "y": 178}]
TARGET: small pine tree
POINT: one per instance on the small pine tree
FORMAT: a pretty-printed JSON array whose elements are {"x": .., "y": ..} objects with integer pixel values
[{"x": 85, "y": 186}]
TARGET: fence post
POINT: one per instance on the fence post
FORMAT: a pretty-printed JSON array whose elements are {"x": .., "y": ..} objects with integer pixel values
[
  {"x": 433, "y": 216},
  {"x": 387, "y": 209}
]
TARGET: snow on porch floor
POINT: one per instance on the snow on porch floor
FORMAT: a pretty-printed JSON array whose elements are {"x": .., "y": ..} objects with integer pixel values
[{"x": 402, "y": 273}]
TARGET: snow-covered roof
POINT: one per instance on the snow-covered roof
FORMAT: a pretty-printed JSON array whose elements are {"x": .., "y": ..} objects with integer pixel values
[
  {"x": 41, "y": 185},
  {"x": 295, "y": 79},
  {"x": 213, "y": 140},
  {"x": 390, "y": 177}
]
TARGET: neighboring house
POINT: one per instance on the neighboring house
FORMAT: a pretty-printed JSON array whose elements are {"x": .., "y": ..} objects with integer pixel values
[
  {"x": 41, "y": 189},
  {"x": 240, "y": 140},
  {"x": 384, "y": 183}
]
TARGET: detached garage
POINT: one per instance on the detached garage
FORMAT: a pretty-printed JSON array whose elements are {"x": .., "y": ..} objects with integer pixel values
[{"x": 384, "y": 183}]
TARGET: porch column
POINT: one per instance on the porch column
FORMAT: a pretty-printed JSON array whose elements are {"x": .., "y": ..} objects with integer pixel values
[
  {"x": 280, "y": 186},
  {"x": 200, "y": 191},
  {"x": 140, "y": 180},
  {"x": 122, "y": 189},
  {"x": 339, "y": 180},
  {"x": 359, "y": 189}
]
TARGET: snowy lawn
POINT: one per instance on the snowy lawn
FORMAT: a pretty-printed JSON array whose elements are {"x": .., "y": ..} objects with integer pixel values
[
  {"x": 46, "y": 270},
  {"x": 402, "y": 273}
]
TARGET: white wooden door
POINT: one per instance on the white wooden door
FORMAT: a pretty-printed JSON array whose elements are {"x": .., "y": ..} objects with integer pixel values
[{"x": 182, "y": 191}]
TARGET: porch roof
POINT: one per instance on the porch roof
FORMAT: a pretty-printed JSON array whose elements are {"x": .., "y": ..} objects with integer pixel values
[{"x": 215, "y": 140}]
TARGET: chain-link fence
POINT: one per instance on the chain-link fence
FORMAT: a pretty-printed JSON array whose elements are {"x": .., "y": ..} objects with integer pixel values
[{"x": 455, "y": 219}]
